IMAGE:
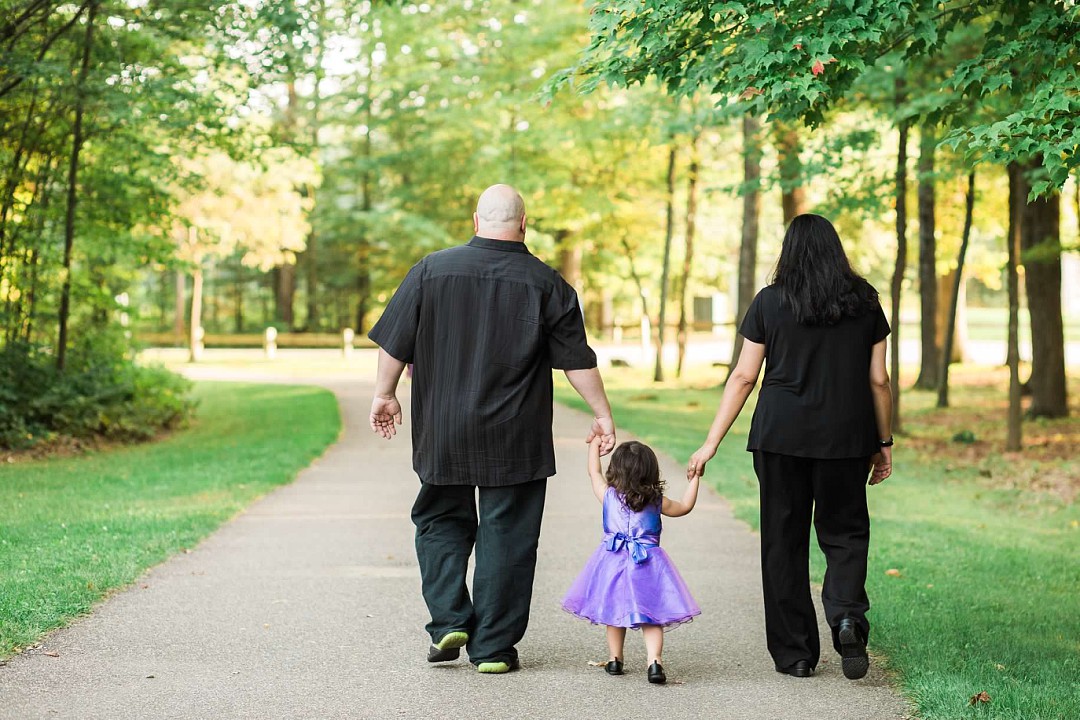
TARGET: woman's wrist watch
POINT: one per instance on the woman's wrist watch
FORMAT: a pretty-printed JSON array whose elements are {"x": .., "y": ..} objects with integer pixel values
[{"x": 887, "y": 443}]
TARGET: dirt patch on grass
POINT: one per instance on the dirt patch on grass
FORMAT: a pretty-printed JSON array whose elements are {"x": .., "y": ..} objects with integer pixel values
[
  {"x": 971, "y": 434},
  {"x": 63, "y": 446}
]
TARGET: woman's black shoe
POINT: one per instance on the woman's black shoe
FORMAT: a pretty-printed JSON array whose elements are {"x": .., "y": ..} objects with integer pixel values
[
  {"x": 853, "y": 657},
  {"x": 799, "y": 669},
  {"x": 614, "y": 667},
  {"x": 656, "y": 674}
]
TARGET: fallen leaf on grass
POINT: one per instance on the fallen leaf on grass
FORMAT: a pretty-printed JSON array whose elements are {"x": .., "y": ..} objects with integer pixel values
[
  {"x": 51, "y": 654},
  {"x": 999, "y": 666},
  {"x": 980, "y": 698},
  {"x": 892, "y": 572}
]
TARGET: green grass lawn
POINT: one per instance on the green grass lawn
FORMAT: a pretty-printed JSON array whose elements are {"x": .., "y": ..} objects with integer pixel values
[
  {"x": 74, "y": 529},
  {"x": 987, "y": 595}
]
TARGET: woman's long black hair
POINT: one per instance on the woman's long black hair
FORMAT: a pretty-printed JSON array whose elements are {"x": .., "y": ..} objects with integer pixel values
[{"x": 814, "y": 276}]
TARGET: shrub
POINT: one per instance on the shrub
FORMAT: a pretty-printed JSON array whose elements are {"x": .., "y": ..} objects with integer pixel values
[{"x": 102, "y": 393}]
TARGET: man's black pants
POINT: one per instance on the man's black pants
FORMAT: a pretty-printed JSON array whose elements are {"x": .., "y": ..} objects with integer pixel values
[
  {"x": 833, "y": 492},
  {"x": 506, "y": 534}
]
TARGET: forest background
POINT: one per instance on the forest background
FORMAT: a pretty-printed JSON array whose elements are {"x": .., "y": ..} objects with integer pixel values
[{"x": 191, "y": 173}]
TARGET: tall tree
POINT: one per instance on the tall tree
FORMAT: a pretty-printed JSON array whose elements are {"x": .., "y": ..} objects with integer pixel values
[
  {"x": 1017, "y": 200},
  {"x": 928, "y": 280},
  {"x": 78, "y": 137},
  {"x": 954, "y": 298},
  {"x": 1040, "y": 243},
  {"x": 692, "y": 173},
  {"x": 900, "y": 265},
  {"x": 669, "y": 230},
  {"x": 792, "y": 192},
  {"x": 751, "y": 194}
]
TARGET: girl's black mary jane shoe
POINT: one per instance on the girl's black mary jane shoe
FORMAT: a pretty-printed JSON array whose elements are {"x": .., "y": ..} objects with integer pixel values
[{"x": 656, "y": 674}]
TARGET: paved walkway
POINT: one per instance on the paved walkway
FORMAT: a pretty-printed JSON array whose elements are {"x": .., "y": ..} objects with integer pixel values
[{"x": 308, "y": 605}]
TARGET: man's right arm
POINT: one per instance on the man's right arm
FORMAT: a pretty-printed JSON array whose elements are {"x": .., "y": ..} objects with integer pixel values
[
  {"x": 385, "y": 408},
  {"x": 590, "y": 386}
]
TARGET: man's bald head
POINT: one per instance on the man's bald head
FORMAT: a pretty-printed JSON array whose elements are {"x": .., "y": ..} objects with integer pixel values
[{"x": 500, "y": 214}]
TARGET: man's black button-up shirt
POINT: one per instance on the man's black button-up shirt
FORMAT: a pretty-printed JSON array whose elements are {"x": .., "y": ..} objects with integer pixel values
[{"x": 483, "y": 325}]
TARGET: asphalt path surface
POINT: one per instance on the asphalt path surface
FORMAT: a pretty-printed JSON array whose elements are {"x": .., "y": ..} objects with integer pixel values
[{"x": 307, "y": 605}]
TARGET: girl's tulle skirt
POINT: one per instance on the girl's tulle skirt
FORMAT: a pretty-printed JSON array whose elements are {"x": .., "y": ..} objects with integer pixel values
[{"x": 614, "y": 590}]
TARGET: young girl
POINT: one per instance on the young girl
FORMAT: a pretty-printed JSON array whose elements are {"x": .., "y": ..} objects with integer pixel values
[{"x": 629, "y": 582}]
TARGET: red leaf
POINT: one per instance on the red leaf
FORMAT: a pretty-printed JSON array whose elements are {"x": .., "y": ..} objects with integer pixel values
[
  {"x": 798, "y": 46},
  {"x": 818, "y": 68},
  {"x": 751, "y": 92},
  {"x": 980, "y": 698}
]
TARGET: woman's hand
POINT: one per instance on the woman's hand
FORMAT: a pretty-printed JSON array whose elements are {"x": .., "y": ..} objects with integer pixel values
[
  {"x": 696, "y": 466},
  {"x": 881, "y": 466}
]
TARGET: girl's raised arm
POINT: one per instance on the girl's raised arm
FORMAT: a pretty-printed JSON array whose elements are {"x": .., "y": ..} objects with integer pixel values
[
  {"x": 678, "y": 508},
  {"x": 596, "y": 473}
]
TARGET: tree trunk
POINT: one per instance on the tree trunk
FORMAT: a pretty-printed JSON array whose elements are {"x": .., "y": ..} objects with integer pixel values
[
  {"x": 793, "y": 195},
  {"x": 945, "y": 296},
  {"x": 363, "y": 287},
  {"x": 238, "y": 297},
  {"x": 1040, "y": 241},
  {"x": 747, "y": 282},
  {"x": 195, "y": 336},
  {"x": 363, "y": 275},
  {"x": 570, "y": 257},
  {"x": 637, "y": 280},
  {"x": 900, "y": 266},
  {"x": 77, "y": 139},
  {"x": 688, "y": 254},
  {"x": 311, "y": 251},
  {"x": 658, "y": 374},
  {"x": 180, "y": 307},
  {"x": 950, "y": 328},
  {"x": 284, "y": 294},
  {"x": 1017, "y": 195},
  {"x": 929, "y": 363}
]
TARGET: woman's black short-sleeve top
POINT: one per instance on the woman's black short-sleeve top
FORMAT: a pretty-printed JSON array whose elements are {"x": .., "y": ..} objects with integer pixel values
[{"x": 815, "y": 398}]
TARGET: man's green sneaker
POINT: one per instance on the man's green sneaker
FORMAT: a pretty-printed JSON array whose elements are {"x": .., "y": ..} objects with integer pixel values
[
  {"x": 449, "y": 647},
  {"x": 497, "y": 668}
]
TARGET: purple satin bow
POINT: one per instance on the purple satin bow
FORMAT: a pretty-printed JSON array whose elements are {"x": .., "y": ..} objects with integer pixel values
[{"x": 637, "y": 544}]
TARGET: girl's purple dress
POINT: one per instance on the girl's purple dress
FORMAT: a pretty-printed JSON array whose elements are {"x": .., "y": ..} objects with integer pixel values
[{"x": 630, "y": 581}]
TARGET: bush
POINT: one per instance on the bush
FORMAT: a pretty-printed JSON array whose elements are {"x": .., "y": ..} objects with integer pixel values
[{"x": 101, "y": 394}]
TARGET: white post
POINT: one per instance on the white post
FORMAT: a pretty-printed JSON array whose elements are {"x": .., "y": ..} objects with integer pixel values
[
  {"x": 124, "y": 301},
  {"x": 347, "y": 336},
  {"x": 616, "y": 330},
  {"x": 270, "y": 343}
]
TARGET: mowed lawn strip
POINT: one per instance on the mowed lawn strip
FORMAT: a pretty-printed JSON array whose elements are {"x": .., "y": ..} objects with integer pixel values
[
  {"x": 73, "y": 529},
  {"x": 973, "y": 585}
]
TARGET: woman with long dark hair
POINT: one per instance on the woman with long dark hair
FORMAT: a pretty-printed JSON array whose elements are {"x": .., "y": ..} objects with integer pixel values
[{"x": 821, "y": 425}]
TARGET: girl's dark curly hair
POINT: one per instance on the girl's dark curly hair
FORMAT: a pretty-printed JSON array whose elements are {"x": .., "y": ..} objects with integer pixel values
[
  {"x": 815, "y": 278},
  {"x": 634, "y": 472}
]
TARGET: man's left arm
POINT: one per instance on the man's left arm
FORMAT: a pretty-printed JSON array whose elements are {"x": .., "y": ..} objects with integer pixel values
[
  {"x": 590, "y": 386},
  {"x": 569, "y": 351}
]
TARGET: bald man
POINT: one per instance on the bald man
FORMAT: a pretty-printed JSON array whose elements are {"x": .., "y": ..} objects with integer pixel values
[{"x": 483, "y": 324}]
